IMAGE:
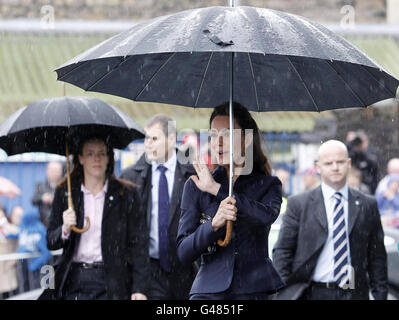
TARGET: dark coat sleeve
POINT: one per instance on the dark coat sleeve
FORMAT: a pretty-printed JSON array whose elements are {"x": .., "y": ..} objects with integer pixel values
[
  {"x": 261, "y": 212},
  {"x": 53, "y": 237},
  {"x": 128, "y": 174},
  {"x": 285, "y": 247},
  {"x": 37, "y": 196},
  {"x": 138, "y": 244},
  {"x": 377, "y": 257},
  {"x": 193, "y": 238}
]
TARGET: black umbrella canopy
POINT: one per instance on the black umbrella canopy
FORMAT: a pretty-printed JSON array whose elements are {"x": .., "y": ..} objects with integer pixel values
[
  {"x": 46, "y": 125},
  {"x": 281, "y": 62}
]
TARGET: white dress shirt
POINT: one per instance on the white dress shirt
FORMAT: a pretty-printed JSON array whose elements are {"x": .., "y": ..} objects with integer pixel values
[
  {"x": 170, "y": 165},
  {"x": 324, "y": 271}
]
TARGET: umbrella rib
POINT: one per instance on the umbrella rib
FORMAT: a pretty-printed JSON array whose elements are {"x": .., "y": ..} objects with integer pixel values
[
  {"x": 69, "y": 113},
  {"x": 391, "y": 92},
  {"x": 119, "y": 115},
  {"x": 344, "y": 81},
  {"x": 304, "y": 84},
  {"x": 253, "y": 77},
  {"x": 203, "y": 79},
  {"x": 154, "y": 75},
  {"x": 109, "y": 72},
  {"x": 66, "y": 74}
]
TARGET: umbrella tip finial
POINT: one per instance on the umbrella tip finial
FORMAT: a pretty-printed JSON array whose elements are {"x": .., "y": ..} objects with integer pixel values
[{"x": 63, "y": 89}]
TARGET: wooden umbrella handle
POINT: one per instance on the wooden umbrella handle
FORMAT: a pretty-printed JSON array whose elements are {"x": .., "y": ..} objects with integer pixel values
[
  {"x": 227, "y": 238},
  {"x": 70, "y": 202},
  {"x": 77, "y": 230}
]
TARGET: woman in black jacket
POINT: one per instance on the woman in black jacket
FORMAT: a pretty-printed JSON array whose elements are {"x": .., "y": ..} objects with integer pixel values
[
  {"x": 242, "y": 269},
  {"x": 109, "y": 260}
]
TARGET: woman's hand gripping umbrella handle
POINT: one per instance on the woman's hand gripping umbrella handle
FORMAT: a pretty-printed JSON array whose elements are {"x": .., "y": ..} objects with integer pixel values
[{"x": 70, "y": 202}]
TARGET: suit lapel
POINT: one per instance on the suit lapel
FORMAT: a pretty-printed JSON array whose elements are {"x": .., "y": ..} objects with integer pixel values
[
  {"x": 319, "y": 209},
  {"x": 176, "y": 191},
  {"x": 146, "y": 178},
  {"x": 319, "y": 230},
  {"x": 145, "y": 183},
  {"x": 353, "y": 209}
]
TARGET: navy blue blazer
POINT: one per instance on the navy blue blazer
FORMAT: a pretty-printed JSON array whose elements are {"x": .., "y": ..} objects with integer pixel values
[{"x": 258, "y": 200}]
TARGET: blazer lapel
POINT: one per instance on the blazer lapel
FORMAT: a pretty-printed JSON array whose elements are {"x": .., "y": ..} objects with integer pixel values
[
  {"x": 354, "y": 203},
  {"x": 77, "y": 199},
  {"x": 319, "y": 209},
  {"x": 111, "y": 198}
]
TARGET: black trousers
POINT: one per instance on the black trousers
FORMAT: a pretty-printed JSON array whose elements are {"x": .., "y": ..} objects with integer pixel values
[
  {"x": 166, "y": 285},
  {"x": 85, "y": 284},
  {"x": 321, "y": 293}
]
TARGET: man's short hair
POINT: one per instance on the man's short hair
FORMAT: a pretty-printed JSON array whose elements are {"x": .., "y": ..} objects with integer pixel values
[{"x": 165, "y": 121}]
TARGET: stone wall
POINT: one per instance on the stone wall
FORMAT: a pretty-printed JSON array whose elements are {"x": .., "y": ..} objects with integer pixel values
[{"x": 366, "y": 11}]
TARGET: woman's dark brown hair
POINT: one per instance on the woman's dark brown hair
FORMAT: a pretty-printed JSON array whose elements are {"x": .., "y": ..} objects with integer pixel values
[
  {"x": 77, "y": 174},
  {"x": 245, "y": 121}
]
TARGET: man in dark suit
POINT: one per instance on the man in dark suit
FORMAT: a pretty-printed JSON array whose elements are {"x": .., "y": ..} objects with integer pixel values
[
  {"x": 44, "y": 191},
  {"x": 161, "y": 177},
  {"x": 331, "y": 243}
]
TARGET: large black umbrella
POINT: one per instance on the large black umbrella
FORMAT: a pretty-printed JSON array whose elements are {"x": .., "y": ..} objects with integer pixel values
[
  {"x": 55, "y": 125},
  {"x": 264, "y": 59}
]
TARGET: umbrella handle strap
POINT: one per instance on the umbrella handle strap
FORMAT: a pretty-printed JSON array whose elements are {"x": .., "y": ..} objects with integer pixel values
[
  {"x": 226, "y": 241},
  {"x": 77, "y": 230}
]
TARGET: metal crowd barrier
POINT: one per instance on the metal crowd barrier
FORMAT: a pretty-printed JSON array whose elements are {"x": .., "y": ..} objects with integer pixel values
[{"x": 28, "y": 283}]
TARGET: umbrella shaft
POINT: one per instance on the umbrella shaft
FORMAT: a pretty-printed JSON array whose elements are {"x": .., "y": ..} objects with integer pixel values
[{"x": 231, "y": 119}]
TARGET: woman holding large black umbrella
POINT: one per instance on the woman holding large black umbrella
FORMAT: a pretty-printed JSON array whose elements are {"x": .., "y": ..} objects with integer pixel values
[
  {"x": 243, "y": 269},
  {"x": 108, "y": 261}
]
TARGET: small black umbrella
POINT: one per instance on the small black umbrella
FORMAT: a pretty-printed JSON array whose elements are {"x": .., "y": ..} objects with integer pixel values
[
  {"x": 264, "y": 59},
  {"x": 55, "y": 125}
]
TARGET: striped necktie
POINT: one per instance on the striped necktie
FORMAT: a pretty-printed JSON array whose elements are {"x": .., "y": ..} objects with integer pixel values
[{"x": 341, "y": 259}]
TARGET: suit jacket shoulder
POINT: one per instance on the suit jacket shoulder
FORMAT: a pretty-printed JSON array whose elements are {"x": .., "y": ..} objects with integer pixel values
[
  {"x": 130, "y": 173},
  {"x": 298, "y": 201},
  {"x": 365, "y": 197}
]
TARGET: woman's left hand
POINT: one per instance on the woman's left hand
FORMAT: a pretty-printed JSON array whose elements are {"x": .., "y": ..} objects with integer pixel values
[{"x": 204, "y": 180}]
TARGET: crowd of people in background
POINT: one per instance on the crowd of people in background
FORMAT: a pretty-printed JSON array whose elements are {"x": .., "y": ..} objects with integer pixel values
[{"x": 25, "y": 232}]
